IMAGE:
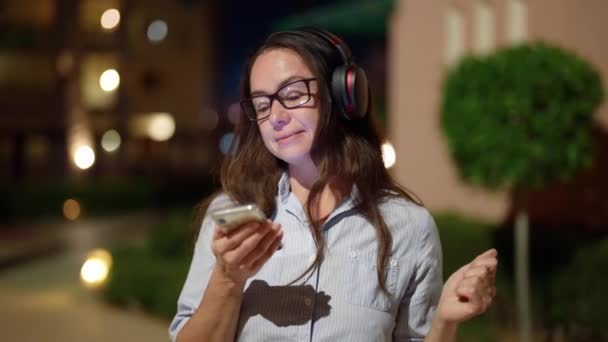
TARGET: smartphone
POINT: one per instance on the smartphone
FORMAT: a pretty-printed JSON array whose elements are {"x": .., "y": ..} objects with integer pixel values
[{"x": 230, "y": 218}]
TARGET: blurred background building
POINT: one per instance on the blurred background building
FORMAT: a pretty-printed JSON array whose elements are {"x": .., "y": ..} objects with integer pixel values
[{"x": 116, "y": 87}]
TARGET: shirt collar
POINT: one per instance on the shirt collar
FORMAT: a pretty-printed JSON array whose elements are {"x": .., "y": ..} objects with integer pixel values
[
  {"x": 284, "y": 188},
  {"x": 343, "y": 209}
]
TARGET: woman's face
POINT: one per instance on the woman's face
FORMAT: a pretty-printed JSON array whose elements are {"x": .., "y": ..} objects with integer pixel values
[{"x": 287, "y": 133}]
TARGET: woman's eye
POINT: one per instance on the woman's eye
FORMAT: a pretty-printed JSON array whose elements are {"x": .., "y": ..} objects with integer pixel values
[
  {"x": 294, "y": 95},
  {"x": 261, "y": 107}
]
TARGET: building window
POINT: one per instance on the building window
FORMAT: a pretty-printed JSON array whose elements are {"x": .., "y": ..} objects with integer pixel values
[
  {"x": 455, "y": 31},
  {"x": 516, "y": 21},
  {"x": 484, "y": 27}
]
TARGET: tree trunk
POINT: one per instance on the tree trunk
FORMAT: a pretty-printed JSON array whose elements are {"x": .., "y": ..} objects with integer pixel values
[{"x": 522, "y": 274}]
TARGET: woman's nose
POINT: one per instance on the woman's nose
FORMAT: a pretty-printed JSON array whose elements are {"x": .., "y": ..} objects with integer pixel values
[{"x": 279, "y": 116}]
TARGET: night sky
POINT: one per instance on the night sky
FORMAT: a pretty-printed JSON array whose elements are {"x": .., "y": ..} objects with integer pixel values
[{"x": 243, "y": 26}]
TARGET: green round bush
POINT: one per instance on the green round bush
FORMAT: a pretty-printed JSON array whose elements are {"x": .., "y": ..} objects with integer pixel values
[{"x": 520, "y": 117}]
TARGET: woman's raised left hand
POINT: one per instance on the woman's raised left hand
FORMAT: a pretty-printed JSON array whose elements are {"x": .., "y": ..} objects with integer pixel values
[{"x": 469, "y": 291}]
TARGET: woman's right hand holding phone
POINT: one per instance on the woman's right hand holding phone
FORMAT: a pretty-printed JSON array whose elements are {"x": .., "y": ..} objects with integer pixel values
[{"x": 242, "y": 252}]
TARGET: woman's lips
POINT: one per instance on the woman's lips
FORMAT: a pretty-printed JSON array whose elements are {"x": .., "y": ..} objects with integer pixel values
[{"x": 287, "y": 137}]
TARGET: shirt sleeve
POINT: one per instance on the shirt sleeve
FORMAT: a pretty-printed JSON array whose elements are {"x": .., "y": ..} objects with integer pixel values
[
  {"x": 200, "y": 271},
  {"x": 419, "y": 303}
]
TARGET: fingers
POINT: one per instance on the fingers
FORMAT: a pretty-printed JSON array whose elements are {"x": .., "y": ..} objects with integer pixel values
[
  {"x": 266, "y": 247},
  {"x": 224, "y": 242},
  {"x": 489, "y": 257},
  {"x": 477, "y": 286},
  {"x": 246, "y": 242},
  {"x": 487, "y": 260}
]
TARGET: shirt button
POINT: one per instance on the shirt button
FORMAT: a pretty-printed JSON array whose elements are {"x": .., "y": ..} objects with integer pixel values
[
  {"x": 393, "y": 263},
  {"x": 308, "y": 302},
  {"x": 353, "y": 254}
]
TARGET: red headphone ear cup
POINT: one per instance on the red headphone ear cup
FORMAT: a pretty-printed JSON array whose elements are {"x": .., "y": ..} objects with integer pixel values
[
  {"x": 350, "y": 90},
  {"x": 338, "y": 87}
]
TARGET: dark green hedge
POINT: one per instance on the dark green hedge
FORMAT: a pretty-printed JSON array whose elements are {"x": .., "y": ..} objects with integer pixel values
[
  {"x": 580, "y": 294},
  {"x": 19, "y": 202},
  {"x": 151, "y": 276},
  {"x": 32, "y": 201}
]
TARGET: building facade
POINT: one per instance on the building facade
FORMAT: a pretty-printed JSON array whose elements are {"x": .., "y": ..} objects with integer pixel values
[{"x": 73, "y": 70}]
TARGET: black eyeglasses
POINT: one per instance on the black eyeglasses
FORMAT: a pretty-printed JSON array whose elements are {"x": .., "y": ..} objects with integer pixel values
[{"x": 292, "y": 95}]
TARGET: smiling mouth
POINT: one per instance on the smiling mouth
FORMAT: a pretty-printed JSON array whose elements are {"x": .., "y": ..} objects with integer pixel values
[{"x": 287, "y": 137}]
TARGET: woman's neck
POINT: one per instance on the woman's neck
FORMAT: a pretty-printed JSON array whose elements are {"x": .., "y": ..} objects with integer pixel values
[{"x": 301, "y": 182}]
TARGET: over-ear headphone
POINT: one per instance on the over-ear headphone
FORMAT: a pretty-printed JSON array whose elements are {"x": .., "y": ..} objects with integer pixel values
[{"x": 349, "y": 85}]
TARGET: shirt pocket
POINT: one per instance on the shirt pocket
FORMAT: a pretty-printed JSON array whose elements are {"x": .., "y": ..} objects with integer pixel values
[{"x": 364, "y": 289}]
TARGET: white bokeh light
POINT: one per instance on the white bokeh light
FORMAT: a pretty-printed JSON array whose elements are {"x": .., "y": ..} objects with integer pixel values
[
  {"x": 110, "y": 19},
  {"x": 157, "y": 31},
  {"x": 161, "y": 127},
  {"x": 84, "y": 157},
  {"x": 96, "y": 268},
  {"x": 110, "y": 141},
  {"x": 388, "y": 155},
  {"x": 109, "y": 80}
]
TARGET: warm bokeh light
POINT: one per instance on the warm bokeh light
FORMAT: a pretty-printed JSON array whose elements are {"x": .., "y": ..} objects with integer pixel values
[
  {"x": 96, "y": 268},
  {"x": 84, "y": 157},
  {"x": 388, "y": 155},
  {"x": 110, "y": 141},
  {"x": 157, "y": 31},
  {"x": 71, "y": 209},
  {"x": 161, "y": 126},
  {"x": 109, "y": 80},
  {"x": 110, "y": 19}
]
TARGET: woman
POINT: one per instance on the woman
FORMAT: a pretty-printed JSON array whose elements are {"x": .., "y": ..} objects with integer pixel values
[{"x": 347, "y": 254}]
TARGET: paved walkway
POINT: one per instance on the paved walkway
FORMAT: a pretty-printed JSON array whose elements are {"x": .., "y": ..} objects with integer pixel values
[{"x": 42, "y": 298}]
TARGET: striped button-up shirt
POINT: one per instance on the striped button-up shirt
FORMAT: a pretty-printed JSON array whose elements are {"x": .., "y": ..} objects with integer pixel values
[{"x": 341, "y": 300}]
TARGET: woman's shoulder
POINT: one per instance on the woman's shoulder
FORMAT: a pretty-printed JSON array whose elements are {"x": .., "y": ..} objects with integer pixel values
[
  {"x": 411, "y": 225},
  {"x": 398, "y": 202},
  {"x": 399, "y": 211}
]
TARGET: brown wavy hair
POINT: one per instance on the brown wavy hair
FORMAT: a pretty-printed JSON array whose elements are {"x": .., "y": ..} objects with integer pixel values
[{"x": 346, "y": 153}]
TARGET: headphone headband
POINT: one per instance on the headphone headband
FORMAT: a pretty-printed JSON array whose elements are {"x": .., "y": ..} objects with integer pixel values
[
  {"x": 349, "y": 87},
  {"x": 342, "y": 48}
]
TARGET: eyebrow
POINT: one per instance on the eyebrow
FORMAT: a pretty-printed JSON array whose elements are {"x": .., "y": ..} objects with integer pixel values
[{"x": 284, "y": 82}]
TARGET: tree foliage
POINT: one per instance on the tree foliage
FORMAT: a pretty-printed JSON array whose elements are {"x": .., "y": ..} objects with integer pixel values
[{"x": 520, "y": 117}]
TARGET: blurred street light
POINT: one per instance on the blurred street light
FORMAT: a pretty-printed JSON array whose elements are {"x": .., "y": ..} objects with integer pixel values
[
  {"x": 109, "y": 80},
  {"x": 84, "y": 157},
  {"x": 157, "y": 31},
  {"x": 388, "y": 155},
  {"x": 161, "y": 126},
  {"x": 71, "y": 209},
  {"x": 110, "y": 141},
  {"x": 96, "y": 268},
  {"x": 110, "y": 19}
]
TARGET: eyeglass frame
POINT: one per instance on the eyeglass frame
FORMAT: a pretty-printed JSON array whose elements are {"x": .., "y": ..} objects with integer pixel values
[{"x": 274, "y": 96}]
